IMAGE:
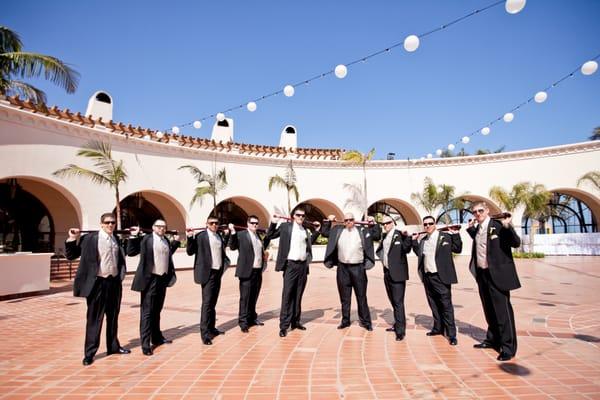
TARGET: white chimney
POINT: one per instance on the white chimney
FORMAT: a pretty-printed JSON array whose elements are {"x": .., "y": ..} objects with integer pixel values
[
  {"x": 288, "y": 137},
  {"x": 222, "y": 131},
  {"x": 100, "y": 105}
]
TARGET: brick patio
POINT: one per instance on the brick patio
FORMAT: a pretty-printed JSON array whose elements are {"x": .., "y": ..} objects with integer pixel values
[{"x": 558, "y": 322}]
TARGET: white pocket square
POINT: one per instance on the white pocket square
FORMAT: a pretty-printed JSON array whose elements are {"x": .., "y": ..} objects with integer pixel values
[
  {"x": 396, "y": 242},
  {"x": 445, "y": 243}
]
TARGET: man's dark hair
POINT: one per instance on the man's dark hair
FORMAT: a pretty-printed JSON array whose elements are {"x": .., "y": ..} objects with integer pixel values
[
  {"x": 212, "y": 216},
  {"x": 106, "y": 215},
  {"x": 299, "y": 209},
  {"x": 253, "y": 216},
  {"x": 428, "y": 217}
]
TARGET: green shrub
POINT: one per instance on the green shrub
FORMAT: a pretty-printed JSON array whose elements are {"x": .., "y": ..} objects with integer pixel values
[
  {"x": 321, "y": 240},
  {"x": 528, "y": 255}
]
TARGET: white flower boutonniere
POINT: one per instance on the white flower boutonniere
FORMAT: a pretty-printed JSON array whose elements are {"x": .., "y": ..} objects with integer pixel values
[{"x": 493, "y": 237}]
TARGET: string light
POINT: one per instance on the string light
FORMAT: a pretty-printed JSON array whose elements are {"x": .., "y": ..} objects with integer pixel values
[
  {"x": 540, "y": 96},
  {"x": 410, "y": 43},
  {"x": 197, "y": 124},
  {"x": 589, "y": 67},
  {"x": 251, "y": 106}
]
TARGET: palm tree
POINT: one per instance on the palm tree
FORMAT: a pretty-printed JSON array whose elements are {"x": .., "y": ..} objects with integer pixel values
[
  {"x": 595, "y": 134},
  {"x": 593, "y": 177},
  {"x": 428, "y": 198},
  {"x": 110, "y": 172},
  {"x": 536, "y": 199},
  {"x": 17, "y": 63},
  {"x": 288, "y": 182},
  {"x": 509, "y": 201},
  {"x": 358, "y": 158},
  {"x": 207, "y": 184},
  {"x": 434, "y": 196}
]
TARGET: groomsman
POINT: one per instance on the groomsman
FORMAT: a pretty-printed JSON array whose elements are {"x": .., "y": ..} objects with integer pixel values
[
  {"x": 392, "y": 252},
  {"x": 293, "y": 258},
  {"x": 437, "y": 272},
  {"x": 250, "y": 265},
  {"x": 99, "y": 275},
  {"x": 494, "y": 269},
  {"x": 350, "y": 248},
  {"x": 210, "y": 261},
  {"x": 155, "y": 272}
]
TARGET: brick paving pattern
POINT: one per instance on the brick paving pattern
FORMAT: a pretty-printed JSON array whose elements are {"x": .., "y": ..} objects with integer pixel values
[{"x": 557, "y": 313}]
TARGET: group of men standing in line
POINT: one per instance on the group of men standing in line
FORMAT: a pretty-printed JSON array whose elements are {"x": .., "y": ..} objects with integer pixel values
[{"x": 350, "y": 248}]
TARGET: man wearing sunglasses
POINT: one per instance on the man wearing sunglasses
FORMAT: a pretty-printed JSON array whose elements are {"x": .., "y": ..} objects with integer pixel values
[
  {"x": 350, "y": 248},
  {"x": 251, "y": 263},
  {"x": 155, "y": 272},
  {"x": 293, "y": 258},
  {"x": 210, "y": 261},
  {"x": 437, "y": 272},
  {"x": 99, "y": 275},
  {"x": 493, "y": 267},
  {"x": 392, "y": 252}
]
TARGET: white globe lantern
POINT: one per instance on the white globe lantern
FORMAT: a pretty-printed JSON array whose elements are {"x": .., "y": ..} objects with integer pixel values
[
  {"x": 220, "y": 117},
  {"x": 438, "y": 152},
  {"x": 589, "y": 67},
  {"x": 465, "y": 139},
  {"x": 422, "y": 158},
  {"x": 429, "y": 155},
  {"x": 159, "y": 134},
  {"x": 341, "y": 71},
  {"x": 197, "y": 124},
  {"x": 288, "y": 90},
  {"x": 485, "y": 131},
  {"x": 146, "y": 137},
  {"x": 175, "y": 130},
  {"x": 508, "y": 117},
  {"x": 451, "y": 147},
  {"x": 411, "y": 43},
  {"x": 540, "y": 97},
  {"x": 514, "y": 6},
  {"x": 251, "y": 106}
]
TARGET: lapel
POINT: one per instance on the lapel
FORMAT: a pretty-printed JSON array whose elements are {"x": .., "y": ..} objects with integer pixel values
[
  {"x": 150, "y": 249},
  {"x": 94, "y": 238},
  {"x": 362, "y": 236},
  {"x": 439, "y": 242},
  {"x": 394, "y": 234}
]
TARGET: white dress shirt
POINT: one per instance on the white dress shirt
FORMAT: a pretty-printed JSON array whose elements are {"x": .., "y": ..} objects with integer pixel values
[
  {"x": 350, "y": 250},
  {"x": 387, "y": 243},
  {"x": 161, "y": 250},
  {"x": 429, "y": 248},
  {"x": 108, "y": 250},
  {"x": 297, "y": 243},
  {"x": 215, "y": 249},
  {"x": 481, "y": 244}
]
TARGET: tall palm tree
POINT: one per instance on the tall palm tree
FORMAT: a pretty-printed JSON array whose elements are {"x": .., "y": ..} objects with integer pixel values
[
  {"x": 592, "y": 177},
  {"x": 16, "y": 63},
  {"x": 509, "y": 201},
  {"x": 288, "y": 182},
  {"x": 428, "y": 198},
  {"x": 358, "y": 158},
  {"x": 595, "y": 134},
  {"x": 207, "y": 184},
  {"x": 536, "y": 199},
  {"x": 109, "y": 172}
]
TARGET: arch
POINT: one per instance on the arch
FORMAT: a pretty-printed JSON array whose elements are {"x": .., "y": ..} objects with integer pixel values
[
  {"x": 103, "y": 97},
  {"x": 63, "y": 208},
  {"x": 166, "y": 206},
  {"x": 408, "y": 213},
  {"x": 456, "y": 216},
  {"x": 318, "y": 209},
  {"x": 236, "y": 210},
  {"x": 589, "y": 199}
]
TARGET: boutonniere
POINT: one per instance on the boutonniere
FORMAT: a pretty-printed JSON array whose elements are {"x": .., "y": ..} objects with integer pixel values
[
  {"x": 491, "y": 230},
  {"x": 445, "y": 243},
  {"x": 492, "y": 237}
]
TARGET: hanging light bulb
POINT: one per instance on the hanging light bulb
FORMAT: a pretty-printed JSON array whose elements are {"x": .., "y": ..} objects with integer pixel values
[
  {"x": 451, "y": 147},
  {"x": 288, "y": 91},
  {"x": 438, "y": 152},
  {"x": 514, "y": 6},
  {"x": 341, "y": 71},
  {"x": 175, "y": 130},
  {"x": 540, "y": 97},
  {"x": 508, "y": 117},
  {"x": 220, "y": 117},
  {"x": 197, "y": 124},
  {"x": 411, "y": 43},
  {"x": 429, "y": 155},
  {"x": 251, "y": 106},
  {"x": 485, "y": 131},
  {"x": 159, "y": 134},
  {"x": 589, "y": 67},
  {"x": 465, "y": 139}
]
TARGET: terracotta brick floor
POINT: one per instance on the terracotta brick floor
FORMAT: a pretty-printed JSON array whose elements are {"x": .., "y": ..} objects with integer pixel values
[{"x": 558, "y": 322}]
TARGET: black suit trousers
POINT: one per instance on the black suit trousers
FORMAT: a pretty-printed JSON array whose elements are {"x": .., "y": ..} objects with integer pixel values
[
  {"x": 105, "y": 298},
  {"x": 295, "y": 276},
  {"x": 439, "y": 297},
  {"x": 498, "y": 312},
  {"x": 249, "y": 291},
  {"x": 395, "y": 292},
  {"x": 153, "y": 300},
  {"x": 353, "y": 276},
  {"x": 210, "y": 294}
]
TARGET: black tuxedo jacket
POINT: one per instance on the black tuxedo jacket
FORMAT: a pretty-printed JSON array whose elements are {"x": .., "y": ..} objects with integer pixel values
[
  {"x": 399, "y": 248},
  {"x": 284, "y": 233},
  {"x": 145, "y": 248},
  {"x": 367, "y": 236},
  {"x": 499, "y": 254},
  {"x": 446, "y": 245},
  {"x": 87, "y": 249},
  {"x": 200, "y": 246},
  {"x": 242, "y": 242}
]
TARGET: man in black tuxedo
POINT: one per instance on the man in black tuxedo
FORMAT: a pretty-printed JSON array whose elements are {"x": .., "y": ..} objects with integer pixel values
[
  {"x": 350, "y": 248},
  {"x": 494, "y": 269},
  {"x": 293, "y": 258},
  {"x": 250, "y": 265},
  {"x": 155, "y": 272},
  {"x": 99, "y": 275},
  {"x": 392, "y": 252},
  {"x": 437, "y": 272},
  {"x": 209, "y": 264}
]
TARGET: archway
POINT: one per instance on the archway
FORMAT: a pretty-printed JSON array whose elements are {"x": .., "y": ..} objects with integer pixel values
[
  {"x": 401, "y": 211},
  {"x": 451, "y": 214},
  {"x": 35, "y": 214},
  {"x": 235, "y": 210},
  {"x": 144, "y": 207},
  {"x": 319, "y": 209}
]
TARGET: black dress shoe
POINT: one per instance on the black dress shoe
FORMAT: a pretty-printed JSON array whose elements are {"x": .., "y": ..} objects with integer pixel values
[
  {"x": 483, "y": 345},
  {"x": 299, "y": 327},
  {"x": 88, "y": 360},
  {"x": 207, "y": 341},
  {"x": 399, "y": 338},
  {"x": 120, "y": 350},
  {"x": 258, "y": 322},
  {"x": 433, "y": 333},
  {"x": 343, "y": 325},
  {"x": 147, "y": 352},
  {"x": 282, "y": 333},
  {"x": 504, "y": 356},
  {"x": 216, "y": 332},
  {"x": 391, "y": 329},
  {"x": 453, "y": 341},
  {"x": 244, "y": 329},
  {"x": 368, "y": 327},
  {"x": 163, "y": 341}
]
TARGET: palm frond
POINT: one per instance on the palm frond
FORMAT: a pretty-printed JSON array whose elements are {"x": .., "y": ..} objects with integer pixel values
[
  {"x": 30, "y": 65},
  {"x": 295, "y": 192},
  {"x": 592, "y": 177},
  {"x": 75, "y": 170},
  {"x": 196, "y": 173},
  {"x": 277, "y": 180},
  {"x": 9, "y": 40},
  {"x": 24, "y": 90},
  {"x": 199, "y": 193},
  {"x": 222, "y": 177},
  {"x": 352, "y": 156}
]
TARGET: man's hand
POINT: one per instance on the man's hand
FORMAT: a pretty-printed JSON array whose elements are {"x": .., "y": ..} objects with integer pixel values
[
  {"x": 74, "y": 233},
  {"x": 317, "y": 225},
  {"x": 189, "y": 232},
  {"x": 134, "y": 230},
  {"x": 231, "y": 228},
  {"x": 472, "y": 222},
  {"x": 176, "y": 237},
  {"x": 331, "y": 218},
  {"x": 506, "y": 221},
  {"x": 371, "y": 220}
]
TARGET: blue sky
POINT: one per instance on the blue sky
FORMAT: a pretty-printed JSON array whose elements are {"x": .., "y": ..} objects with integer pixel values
[{"x": 169, "y": 63}]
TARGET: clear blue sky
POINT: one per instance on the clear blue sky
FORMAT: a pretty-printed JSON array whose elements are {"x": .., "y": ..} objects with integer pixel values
[{"x": 167, "y": 63}]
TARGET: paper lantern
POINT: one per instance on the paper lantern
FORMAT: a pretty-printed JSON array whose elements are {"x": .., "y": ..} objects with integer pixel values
[
  {"x": 341, "y": 71},
  {"x": 589, "y": 67},
  {"x": 197, "y": 124},
  {"x": 288, "y": 90},
  {"x": 540, "y": 97},
  {"x": 485, "y": 131},
  {"x": 514, "y": 6},
  {"x": 175, "y": 130},
  {"x": 508, "y": 117},
  {"x": 451, "y": 147},
  {"x": 411, "y": 43},
  {"x": 465, "y": 139},
  {"x": 220, "y": 117},
  {"x": 251, "y": 106}
]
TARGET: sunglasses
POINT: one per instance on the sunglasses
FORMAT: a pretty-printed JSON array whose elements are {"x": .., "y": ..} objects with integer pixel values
[
  {"x": 160, "y": 226},
  {"x": 349, "y": 220},
  {"x": 428, "y": 223},
  {"x": 109, "y": 222},
  {"x": 253, "y": 222},
  {"x": 212, "y": 223},
  {"x": 299, "y": 215},
  {"x": 479, "y": 211},
  {"x": 388, "y": 222}
]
